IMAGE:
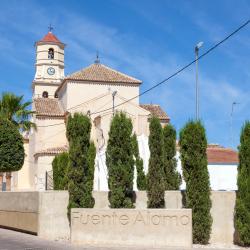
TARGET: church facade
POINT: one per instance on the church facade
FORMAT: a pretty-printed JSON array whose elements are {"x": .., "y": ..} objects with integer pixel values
[{"x": 97, "y": 91}]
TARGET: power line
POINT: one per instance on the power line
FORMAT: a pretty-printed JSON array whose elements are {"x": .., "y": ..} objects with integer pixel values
[
  {"x": 168, "y": 78},
  {"x": 182, "y": 69}
]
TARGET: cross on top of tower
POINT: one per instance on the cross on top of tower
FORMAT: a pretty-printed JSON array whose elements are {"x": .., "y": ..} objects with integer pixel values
[
  {"x": 50, "y": 28},
  {"x": 97, "y": 60}
]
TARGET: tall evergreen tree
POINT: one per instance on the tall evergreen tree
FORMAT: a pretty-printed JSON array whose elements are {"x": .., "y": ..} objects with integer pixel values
[
  {"x": 141, "y": 177},
  {"x": 242, "y": 208},
  {"x": 60, "y": 171},
  {"x": 80, "y": 172},
  {"x": 11, "y": 147},
  {"x": 155, "y": 178},
  {"x": 193, "y": 145},
  {"x": 120, "y": 162},
  {"x": 172, "y": 177}
]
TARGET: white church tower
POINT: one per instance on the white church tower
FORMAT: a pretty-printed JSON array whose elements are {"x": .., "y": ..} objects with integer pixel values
[{"x": 49, "y": 67}]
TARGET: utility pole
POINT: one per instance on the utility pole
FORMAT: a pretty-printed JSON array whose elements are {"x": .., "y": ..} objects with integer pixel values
[
  {"x": 231, "y": 122},
  {"x": 113, "y": 97},
  {"x": 197, "y": 47}
]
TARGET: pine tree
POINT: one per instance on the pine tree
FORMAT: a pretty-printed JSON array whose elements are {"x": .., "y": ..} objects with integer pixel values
[
  {"x": 193, "y": 145},
  {"x": 141, "y": 177},
  {"x": 242, "y": 208},
  {"x": 120, "y": 162},
  {"x": 60, "y": 171},
  {"x": 155, "y": 185},
  {"x": 172, "y": 177},
  {"x": 80, "y": 171}
]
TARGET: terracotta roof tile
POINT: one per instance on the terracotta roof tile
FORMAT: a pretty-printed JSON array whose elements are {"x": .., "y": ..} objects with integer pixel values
[
  {"x": 48, "y": 107},
  {"x": 155, "y": 110},
  {"x": 100, "y": 73},
  {"x": 52, "y": 151},
  {"x": 221, "y": 155},
  {"x": 50, "y": 37}
]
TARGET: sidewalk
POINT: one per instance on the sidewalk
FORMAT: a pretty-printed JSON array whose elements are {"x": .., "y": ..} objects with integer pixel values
[{"x": 11, "y": 240}]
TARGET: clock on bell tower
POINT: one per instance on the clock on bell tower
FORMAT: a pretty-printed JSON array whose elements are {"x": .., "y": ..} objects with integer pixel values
[{"x": 49, "y": 65}]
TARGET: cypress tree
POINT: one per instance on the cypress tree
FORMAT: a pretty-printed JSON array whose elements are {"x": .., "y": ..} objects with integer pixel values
[
  {"x": 172, "y": 177},
  {"x": 11, "y": 147},
  {"x": 120, "y": 162},
  {"x": 141, "y": 177},
  {"x": 60, "y": 171},
  {"x": 193, "y": 145},
  {"x": 242, "y": 208},
  {"x": 155, "y": 185},
  {"x": 80, "y": 162}
]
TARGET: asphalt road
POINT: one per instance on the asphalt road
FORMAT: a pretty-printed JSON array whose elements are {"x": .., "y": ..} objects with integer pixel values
[{"x": 11, "y": 240}]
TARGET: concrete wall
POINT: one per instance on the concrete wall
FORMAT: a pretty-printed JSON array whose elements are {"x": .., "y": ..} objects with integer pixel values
[
  {"x": 132, "y": 227},
  {"x": 222, "y": 211},
  {"x": 41, "y": 213},
  {"x": 45, "y": 213},
  {"x": 223, "y": 217}
]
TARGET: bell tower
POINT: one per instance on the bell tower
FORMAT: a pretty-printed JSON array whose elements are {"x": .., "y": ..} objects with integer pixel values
[{"x": 49, "y": 66}]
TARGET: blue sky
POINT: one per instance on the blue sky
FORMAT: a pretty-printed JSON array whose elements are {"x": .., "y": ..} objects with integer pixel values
[{"x": 148, "y": 40}]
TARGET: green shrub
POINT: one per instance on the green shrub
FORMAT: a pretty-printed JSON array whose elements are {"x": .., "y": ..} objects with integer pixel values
[
  {"x": 11, "y": 147},
  {"x": 80, "y": 172},
  {"x": 172, "y": 177},
  {"x": 155, "y": 178},
  {"x": 60, "y": 171},
  {"x": 242, "y": 208},
  {"x": 193, "y": 145},
  {"x": 120, "y": 162},
  {"x": 141, "y": 177}
]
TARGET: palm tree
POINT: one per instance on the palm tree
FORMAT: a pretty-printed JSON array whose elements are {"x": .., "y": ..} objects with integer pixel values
[{"x": 15, "y": 110}]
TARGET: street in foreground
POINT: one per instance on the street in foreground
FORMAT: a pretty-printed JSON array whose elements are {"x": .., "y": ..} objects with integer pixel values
[{"x": 11, "y": 240}]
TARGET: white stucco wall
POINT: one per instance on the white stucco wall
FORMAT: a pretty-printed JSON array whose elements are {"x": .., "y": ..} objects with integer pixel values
[
  {"x": 20, "y": 179},
  {"x": 40, "y": 88},
  {"x": 84, "y": 91},
  {"x": 49, "y": 135},
  {"x": 222, "y": 177}
]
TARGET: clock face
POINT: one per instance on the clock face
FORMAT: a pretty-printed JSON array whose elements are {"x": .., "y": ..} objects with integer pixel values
[{"x": 51, "y": 71}]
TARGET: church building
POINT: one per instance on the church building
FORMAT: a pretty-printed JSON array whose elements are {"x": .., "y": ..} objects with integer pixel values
[{"x": 95, "y": 91}]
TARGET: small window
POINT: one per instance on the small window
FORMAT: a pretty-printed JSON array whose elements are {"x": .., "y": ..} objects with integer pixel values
[
  {"x": 45, "y": 94},
  {"x": 51, "y": 53},
  {"x": 56, "y": 95}
]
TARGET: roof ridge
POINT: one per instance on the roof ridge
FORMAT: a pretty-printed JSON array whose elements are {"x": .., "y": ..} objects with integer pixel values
[
  {"x": 105, "y": 74},
  {"x": 116, "y": 71},
  {"x": 150, "y": 104}
]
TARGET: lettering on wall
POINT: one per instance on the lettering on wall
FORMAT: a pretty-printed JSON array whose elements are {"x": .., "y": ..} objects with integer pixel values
[{"x": 147, "y": 218}]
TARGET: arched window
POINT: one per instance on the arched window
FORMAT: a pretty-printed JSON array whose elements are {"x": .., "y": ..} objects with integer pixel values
[
  {"x": 45, "y": 94},
  {"x": 51, "y": 53}
]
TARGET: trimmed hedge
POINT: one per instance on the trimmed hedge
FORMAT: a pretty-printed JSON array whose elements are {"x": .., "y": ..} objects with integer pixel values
[
  {"x": 172, "y": 177},
  {"x": 242, "y": 208},
  {"x": 11, "y": 147},
  {"x": 193, "y": 145},
  {"x": 60, "y": 171},
  {"x": 155, "y": 178},
  {"x": 120, "y": 162}
]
